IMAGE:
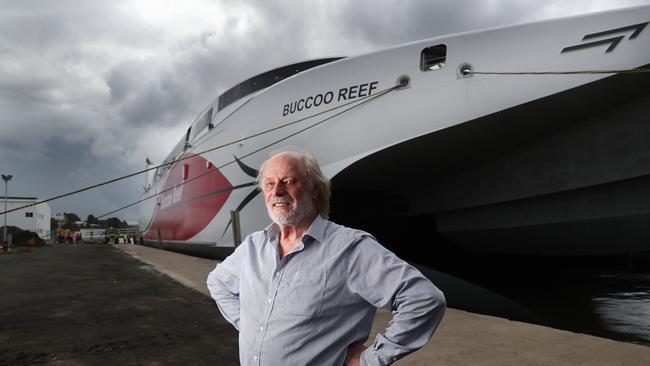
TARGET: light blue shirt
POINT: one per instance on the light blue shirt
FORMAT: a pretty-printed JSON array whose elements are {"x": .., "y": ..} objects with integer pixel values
[{"x": 308, "y": 307}]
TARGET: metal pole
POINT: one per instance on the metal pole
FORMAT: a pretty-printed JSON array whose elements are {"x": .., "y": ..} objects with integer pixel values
[
  {"x": 5, "y": 244},
  {"x": 236, "y": 228},
  {"x": 4, "y": 237}
]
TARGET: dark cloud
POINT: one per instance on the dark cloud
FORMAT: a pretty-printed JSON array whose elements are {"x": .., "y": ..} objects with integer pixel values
[
  {"x": 394, "y": 22},
  {"x": 44, "y": 25},
  {"x": 143, "y": 92}
]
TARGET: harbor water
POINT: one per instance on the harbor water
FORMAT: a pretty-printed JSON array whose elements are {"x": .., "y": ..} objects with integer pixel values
[{"x": 600, "y": 298}]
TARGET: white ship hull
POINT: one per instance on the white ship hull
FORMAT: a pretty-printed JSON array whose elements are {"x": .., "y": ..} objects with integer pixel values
[{"x": 506, "y": 163}]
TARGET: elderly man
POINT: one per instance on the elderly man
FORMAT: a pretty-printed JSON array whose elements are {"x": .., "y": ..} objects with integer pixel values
[{"x": 304, "y": 291}]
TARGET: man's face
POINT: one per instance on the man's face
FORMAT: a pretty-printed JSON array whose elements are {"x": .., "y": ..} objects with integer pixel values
[{"x": 287, "y": 192}]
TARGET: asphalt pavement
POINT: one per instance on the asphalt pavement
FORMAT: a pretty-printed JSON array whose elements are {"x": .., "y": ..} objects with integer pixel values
[{"x": 92, "y": 304}]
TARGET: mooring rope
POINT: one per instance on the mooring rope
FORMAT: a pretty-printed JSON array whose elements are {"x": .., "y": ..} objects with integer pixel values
[
  {"x": 568, "y": 72},
  {"x": 356, "y": 103},
  {"x": 383, "y": 92}
]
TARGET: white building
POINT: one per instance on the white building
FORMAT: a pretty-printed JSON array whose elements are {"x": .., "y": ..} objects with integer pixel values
[
  {"x": 93, "y": 234},
  {"x": 35, "y": 218}
]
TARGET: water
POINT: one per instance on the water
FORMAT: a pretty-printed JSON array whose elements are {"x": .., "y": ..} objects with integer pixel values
[
  {"x": 592, "y": 299},
  {"x": 624, "y": 306},
  {"x": 610, "y": 304}
]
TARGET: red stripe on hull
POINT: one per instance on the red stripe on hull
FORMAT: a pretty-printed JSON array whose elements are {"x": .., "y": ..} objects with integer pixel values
[{"x": 184, "y": 211}]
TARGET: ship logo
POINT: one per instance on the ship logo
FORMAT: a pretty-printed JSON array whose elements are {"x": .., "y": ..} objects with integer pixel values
[
  {"x": 251, "y": 172},
  {"x": 619, "y": 33},
  {"x": 190, "y": 203}
]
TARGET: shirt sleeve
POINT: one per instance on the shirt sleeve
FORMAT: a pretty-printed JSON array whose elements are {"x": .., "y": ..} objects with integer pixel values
[
  {"x": 223, "y": 283},
  {"x": 386, "y": 281}
]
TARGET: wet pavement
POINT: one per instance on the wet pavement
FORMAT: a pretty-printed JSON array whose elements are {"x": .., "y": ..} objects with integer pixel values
[{"x": 93, "y": 304}]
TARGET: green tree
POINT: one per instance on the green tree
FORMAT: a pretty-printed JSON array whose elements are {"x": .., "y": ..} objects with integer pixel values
[
  {"x": 115, "y": 223},
  {"x": 70, "y": 221},
  {"x": 71, "y": 218},
  {"x": 92, "y": 220}
]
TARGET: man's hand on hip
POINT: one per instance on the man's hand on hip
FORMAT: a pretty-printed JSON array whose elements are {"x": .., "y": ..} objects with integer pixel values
[{"x": 353, "y": 358}]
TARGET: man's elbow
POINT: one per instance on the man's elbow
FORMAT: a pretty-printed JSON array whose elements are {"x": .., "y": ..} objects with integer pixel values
[
  {"x": 437, "y": 303},
  {"x": 215, "y": 286},
  {"x": 439, "y": 298}
]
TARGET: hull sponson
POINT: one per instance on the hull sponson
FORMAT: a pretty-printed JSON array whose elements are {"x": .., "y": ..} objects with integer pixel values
[
  {"x": 524, "y": 164},
  {"x": 198, "y": 250},
  {"x": 565, "y": 174}
]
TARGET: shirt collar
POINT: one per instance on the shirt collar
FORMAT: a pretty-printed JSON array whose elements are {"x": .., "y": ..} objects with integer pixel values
[
  {"x": 272, "y": 230},
  {"x": 316, "y": 230}
]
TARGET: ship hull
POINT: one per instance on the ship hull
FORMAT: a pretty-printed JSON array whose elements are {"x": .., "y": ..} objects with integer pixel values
[
  {"x": 568, "y": 174},
  {"x": 430, "y": 156}
]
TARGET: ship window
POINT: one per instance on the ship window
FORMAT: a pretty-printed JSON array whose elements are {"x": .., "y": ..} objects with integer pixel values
[
  {"x": 202, "y": 121},
  {"x": 186, "y": 171},
  {"x": 29, "y": 214},
  {"x": 187, "y": 139},
  {"x": 433, "y": 58},
  {"x": 267, "y": 79}
]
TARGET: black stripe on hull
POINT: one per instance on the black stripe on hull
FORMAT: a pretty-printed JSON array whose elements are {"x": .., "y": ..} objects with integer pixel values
[{"x": 197, "y": 250}]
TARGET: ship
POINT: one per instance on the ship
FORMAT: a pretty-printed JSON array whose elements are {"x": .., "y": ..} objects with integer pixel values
[{"x": 527, "y": 139}]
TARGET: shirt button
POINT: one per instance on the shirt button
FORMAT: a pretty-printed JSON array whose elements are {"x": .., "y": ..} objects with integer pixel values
[
  {"x": 261, "y": 329},
  {"x": 270, "y": 300}
]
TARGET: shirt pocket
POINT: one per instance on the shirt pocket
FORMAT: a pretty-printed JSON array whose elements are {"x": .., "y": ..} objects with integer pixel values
[{"x": 302, "y": 293}]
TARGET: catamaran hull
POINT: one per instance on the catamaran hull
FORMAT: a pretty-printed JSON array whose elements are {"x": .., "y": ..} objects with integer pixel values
[
  {"x": 568, "y": 174},
  {"x": 429, "y": 154}
]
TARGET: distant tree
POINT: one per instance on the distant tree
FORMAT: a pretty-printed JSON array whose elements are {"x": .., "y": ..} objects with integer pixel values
[
  {"x": 71, "y": 218},
  {"x": 115, "y": 223},
  {"x": 92, "y": 220}
]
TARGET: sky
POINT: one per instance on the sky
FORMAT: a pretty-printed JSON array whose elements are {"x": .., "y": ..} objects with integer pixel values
[{"x": 89, "y": 89}]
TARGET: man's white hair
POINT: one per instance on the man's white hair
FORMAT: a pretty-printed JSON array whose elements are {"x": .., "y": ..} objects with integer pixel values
[{"x": 316, "y": 179}]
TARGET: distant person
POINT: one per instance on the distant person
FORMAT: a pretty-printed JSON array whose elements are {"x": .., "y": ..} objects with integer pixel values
[{"x": 304, "y": 291}]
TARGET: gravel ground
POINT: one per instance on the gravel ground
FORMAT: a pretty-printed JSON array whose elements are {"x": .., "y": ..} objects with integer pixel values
[{"x": 91, "y": 304}]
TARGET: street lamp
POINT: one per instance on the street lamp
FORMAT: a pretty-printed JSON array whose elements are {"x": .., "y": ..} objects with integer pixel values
[{"x": 5, "y": 244}]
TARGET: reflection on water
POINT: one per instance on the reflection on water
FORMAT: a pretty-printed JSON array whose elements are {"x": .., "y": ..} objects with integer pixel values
[
  {"x": 610, "y": 303},
  {"x": 626, "y": 310}
]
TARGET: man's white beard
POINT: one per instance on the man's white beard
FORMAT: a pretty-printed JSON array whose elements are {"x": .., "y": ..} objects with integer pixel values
[{"x": 303, "y": 208}]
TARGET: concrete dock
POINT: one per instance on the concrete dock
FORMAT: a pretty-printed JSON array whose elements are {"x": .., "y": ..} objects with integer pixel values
[
  {"x": 98, "y": 304},
  {"x": 463, "y": 338}
]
